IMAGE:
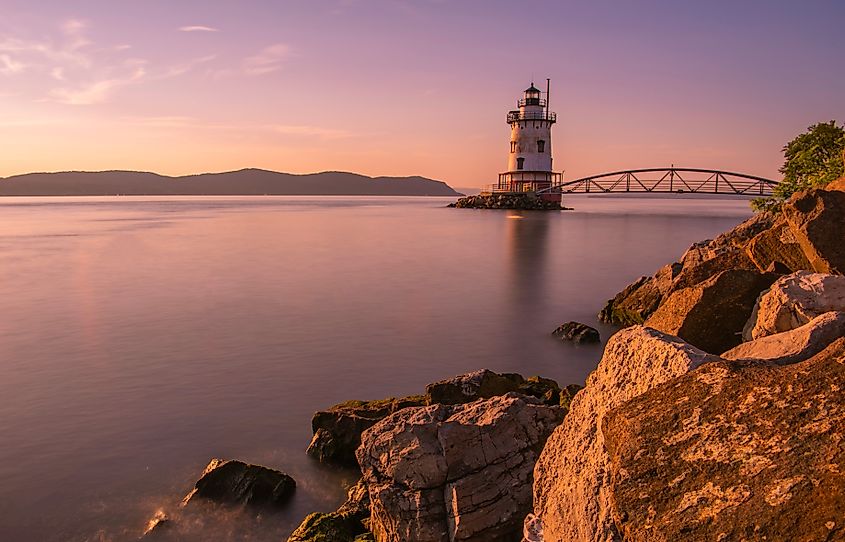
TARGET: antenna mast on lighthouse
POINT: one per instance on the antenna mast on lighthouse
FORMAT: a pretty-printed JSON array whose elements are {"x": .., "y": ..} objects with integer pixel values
[{"x": 548, "y": 96}]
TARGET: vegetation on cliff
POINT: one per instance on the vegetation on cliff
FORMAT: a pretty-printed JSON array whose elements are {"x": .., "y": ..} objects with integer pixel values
[{"x": 812, "y": 160}]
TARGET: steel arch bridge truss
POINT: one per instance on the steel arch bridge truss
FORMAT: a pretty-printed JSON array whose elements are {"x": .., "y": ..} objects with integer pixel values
[{"x": 668, "y": 180}]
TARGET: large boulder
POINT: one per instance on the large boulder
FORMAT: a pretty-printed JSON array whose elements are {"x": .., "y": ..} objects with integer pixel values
[
  {"x": 337, "y": 431},
  {"x": 711, "y": 315},
  {"x": 455, "y": 473},
  {"x": 733, "y": 452},
  {"x": 794, "y": 345},
  {"x": 691, "y": 275},
  {"x": 235, "y": 482},
  {"x": 571, "y": 479},
  {"x": 794, "y": 300},
  {"x": 777, "y": 246},
  {"x": 817, "y": 217}
]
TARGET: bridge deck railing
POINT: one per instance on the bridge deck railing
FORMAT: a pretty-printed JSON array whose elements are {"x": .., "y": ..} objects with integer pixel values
[{"x": 669, "y": 180}]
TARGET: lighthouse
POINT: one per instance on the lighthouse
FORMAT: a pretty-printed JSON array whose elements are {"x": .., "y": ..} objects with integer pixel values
[{"x": 530, "y": 156}]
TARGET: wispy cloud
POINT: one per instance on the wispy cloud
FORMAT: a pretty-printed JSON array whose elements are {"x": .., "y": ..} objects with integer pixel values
[
  {"x": 9, "y": 66},
  {"x": 69, "y": 68},
  {"x": 198, "y": 28},
  {"x": 268, "y": 60},
  {"x": 96, "y": 91}
]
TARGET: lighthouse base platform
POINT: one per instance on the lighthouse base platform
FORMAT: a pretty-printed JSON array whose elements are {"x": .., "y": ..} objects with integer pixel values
[{"x": 526, "y": 201}]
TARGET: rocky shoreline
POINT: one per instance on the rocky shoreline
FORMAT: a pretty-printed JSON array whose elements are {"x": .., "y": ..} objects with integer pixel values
[{"x": 714, "y": 414}]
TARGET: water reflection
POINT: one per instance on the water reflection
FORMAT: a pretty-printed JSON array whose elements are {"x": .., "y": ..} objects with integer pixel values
[{"x": 527, "y": 240}]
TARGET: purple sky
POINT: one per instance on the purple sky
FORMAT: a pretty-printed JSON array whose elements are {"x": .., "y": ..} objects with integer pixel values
[{"x": 401, "y": 87}]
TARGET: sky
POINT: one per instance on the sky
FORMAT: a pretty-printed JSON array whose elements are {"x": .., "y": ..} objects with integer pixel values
[{"x": 411, "y": 87}]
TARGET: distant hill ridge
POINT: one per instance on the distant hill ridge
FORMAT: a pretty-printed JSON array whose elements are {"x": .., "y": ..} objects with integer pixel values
[{"x": 244, "y": 182}]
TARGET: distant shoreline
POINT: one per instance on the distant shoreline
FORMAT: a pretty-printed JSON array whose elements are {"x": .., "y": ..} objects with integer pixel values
[{"x": 245, "y": 182}]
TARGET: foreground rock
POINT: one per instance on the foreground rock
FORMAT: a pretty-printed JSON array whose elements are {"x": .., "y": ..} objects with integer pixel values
[
  {"x": 577, "y": 333},
  {"x": 794, "y": 300},
  {"x": 347, "y": 524},
  {"x": 455, "y": 473},
  {"x": 795, "y": 345},
  {"x": 235, "y": 482},
  {"x": 817, "y": 218},
  {"x": 528, "y": 202},
  {"x": 739, "y": 457},
  {"x": 337, "y": 431},
  {"x": 711, "y": 315},
  {"x": 572, "y": 478}
]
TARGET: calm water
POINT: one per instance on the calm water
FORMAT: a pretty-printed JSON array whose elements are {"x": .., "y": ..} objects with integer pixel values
[{"x": 143, "y": 336}]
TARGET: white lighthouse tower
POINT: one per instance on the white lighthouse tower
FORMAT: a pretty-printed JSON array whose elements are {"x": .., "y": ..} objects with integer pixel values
[{"x": 530, "y": 158}]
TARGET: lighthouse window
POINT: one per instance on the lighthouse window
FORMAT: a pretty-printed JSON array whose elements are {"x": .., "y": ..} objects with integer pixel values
[
  {"x": 541, "y": 146},
  {"x": 513, "y": 146},
  {"x": 520, "y": 162}
]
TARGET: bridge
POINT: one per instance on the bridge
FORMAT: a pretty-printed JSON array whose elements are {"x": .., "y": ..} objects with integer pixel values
[{"x": 674, "y": 180}]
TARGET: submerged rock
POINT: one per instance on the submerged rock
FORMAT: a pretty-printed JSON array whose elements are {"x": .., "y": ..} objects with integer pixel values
[
  {"x": 577, "y": 333},
  {"x": 794, "y": 300},
  {"x": 157, "y": 527},
  {"x": 459, "y": 472},
  {"x": 571, "y": 478},
  {"x": 794, "y": 345},
  {"x": 711, "y": 315},
  {"x": 733, "y": 452},
  {"x": 337, "y": 431},
  {"x": 230, "y": 481}
]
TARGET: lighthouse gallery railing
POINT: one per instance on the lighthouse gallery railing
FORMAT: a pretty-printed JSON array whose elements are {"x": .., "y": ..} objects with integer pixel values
[{"x": 514, "y": 116}]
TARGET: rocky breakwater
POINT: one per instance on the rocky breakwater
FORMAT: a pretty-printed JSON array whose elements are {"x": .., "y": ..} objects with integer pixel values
[
  {"x": 668, "y": 442},
  {"x": 527, "y": 202}
]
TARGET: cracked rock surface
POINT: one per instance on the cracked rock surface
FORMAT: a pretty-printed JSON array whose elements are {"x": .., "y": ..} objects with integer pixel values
[
  {"x": 455, "y": 472},
  {"x": 733, "y": 451}
]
